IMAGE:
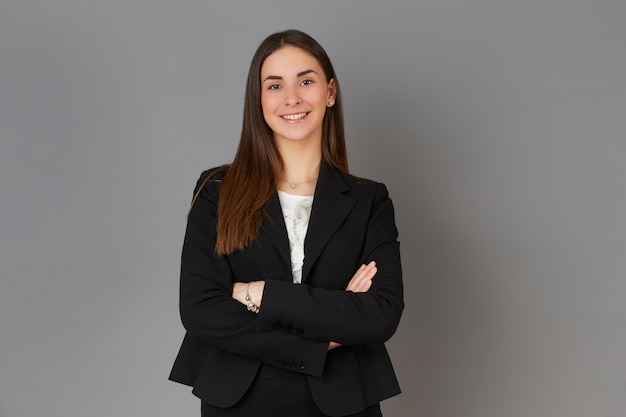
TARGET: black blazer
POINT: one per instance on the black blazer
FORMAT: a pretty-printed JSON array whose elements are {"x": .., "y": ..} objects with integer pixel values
[{"x": 351, "y": 223}]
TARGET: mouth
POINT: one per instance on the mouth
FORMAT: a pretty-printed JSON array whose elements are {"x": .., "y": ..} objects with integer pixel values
[{"x": 294, "y": 117}]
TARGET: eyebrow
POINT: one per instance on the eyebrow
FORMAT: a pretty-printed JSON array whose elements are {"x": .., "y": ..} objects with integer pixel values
[{"x": 300, "y": 74}]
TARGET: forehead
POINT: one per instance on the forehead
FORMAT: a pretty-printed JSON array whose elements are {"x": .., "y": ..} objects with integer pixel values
[{"x": 289, "y": 60}]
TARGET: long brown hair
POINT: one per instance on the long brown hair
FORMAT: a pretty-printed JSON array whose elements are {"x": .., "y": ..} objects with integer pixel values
[{"x": 249, "y": 181}]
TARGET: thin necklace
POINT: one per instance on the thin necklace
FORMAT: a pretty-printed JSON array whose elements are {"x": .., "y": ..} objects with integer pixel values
[{"x": 293, "y": 185}]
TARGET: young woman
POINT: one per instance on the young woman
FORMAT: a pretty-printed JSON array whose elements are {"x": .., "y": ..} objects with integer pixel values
[{"x": 290, "y": 278}]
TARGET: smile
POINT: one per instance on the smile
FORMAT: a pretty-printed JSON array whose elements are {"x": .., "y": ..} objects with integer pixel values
[{"x": 296, "y": 116}]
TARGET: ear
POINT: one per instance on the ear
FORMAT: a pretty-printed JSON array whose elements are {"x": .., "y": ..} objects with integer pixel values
[{"x": 332, "y": 93}]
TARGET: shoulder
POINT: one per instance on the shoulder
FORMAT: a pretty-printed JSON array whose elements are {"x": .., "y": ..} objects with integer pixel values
[
  {"x": 211, "y": 178},
  {"x": 374, "y": 189},
  {"x": 354, "y": 180},
  {"x": 215, "y": 174},
  {"x": 209, "y": 184}
]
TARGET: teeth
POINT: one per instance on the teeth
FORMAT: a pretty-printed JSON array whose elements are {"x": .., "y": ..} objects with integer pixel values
[{"x": 294, "y": 116}]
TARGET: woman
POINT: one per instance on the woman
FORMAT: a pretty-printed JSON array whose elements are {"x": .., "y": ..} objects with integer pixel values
[{"x": 290, "y": 278}]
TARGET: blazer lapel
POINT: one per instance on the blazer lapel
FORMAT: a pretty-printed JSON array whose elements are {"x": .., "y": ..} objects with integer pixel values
[
  {"x": 330, "y": 209},
  {"x": 274, "y": 226}
]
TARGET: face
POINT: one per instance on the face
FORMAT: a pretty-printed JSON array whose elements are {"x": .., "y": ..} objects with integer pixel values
[{"x": 295, "y": 95}]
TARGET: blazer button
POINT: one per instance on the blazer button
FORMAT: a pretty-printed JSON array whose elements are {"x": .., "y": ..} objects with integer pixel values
[
  {"x": 281, "y": 362},
  {"x": 291, "y": 364},
  {"x": 301, "y": 365},
  {"x": 277, "y": 325}
]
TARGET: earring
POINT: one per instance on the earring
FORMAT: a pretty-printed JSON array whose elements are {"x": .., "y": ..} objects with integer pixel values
[{"x": 330, "y": 104}]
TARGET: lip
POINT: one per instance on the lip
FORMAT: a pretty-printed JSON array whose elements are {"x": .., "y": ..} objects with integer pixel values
[{"x": 285, "y": 117}]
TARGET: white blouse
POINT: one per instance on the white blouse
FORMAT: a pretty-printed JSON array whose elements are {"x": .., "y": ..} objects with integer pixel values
[{"x": 296, "y": 211}]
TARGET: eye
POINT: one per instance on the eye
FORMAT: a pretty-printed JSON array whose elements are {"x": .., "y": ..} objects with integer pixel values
[
  {"x": 307, "y": 82},
  {"x": 273, "y": 87}
]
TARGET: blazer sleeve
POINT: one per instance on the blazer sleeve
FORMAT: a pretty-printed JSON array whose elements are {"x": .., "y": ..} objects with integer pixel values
[
  {"x": 209, "y": 312},
  {"x": 343, "y": 316}
]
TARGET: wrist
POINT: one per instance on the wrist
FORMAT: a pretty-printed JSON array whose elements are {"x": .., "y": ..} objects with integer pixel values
[
  {"x": 251, "y": 305},
  {"x": 256, "y": 292}
]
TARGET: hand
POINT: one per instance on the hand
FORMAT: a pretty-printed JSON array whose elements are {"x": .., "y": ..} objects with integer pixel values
[
  {"x": 255, "y": 291},
  {"x": 362, "y": 279},
  {"x": 360, "y": 282},
  {"x": 333, "y": 345}
]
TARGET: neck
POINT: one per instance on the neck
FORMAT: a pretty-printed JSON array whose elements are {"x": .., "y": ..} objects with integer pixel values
[{"x": 301, "y": 162}]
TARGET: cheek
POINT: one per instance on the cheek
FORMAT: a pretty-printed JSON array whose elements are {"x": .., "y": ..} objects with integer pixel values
[
  {"x": 265, "y": 106},
  {"x": 320, "y": 96},
  {"x": 264, "y": 103},
  {"x": 268, "y": 103}
]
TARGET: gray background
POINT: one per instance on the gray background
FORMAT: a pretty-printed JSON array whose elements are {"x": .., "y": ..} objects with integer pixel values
[{"x": 499, "y": 127}]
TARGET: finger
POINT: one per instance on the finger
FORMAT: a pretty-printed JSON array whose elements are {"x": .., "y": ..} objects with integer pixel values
[
  {"x": 362, "y": 281},
  {"x": 364, "y": 272},
  {"x": 365, "y": 287},
  {"x": 356, "y": 281},
  {"x": 333, "y": 345}
]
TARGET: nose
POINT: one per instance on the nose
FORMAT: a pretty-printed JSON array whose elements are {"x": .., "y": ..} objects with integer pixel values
[{"x": 292, "y": 97}]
